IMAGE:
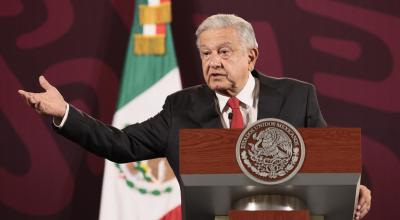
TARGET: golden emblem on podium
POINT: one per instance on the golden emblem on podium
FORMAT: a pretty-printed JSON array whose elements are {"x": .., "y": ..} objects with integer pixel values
[{"x": 270, "y": 151}]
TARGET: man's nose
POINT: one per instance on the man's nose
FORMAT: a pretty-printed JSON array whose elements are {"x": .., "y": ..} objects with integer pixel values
[{"x": 215, "y": 61}]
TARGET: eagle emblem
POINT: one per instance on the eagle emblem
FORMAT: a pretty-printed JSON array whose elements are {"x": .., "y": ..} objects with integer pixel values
[{"x": 270, "y": 151}]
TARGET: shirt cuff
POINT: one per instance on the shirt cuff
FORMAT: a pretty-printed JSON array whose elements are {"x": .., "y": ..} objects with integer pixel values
[{"x": 63, "y": 119}]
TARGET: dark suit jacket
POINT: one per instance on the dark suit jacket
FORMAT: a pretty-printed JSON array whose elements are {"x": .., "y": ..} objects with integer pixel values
[{"x": 287, "y": 99}]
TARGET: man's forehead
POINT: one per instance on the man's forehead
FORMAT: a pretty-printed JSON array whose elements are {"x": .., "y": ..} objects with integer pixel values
[
  {"x": 219, "y": 31},
  {"x": 218, "y": 37}
]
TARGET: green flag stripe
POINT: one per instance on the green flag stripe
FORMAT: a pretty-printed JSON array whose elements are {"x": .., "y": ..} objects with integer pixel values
[{"x": 141, "y": 72}]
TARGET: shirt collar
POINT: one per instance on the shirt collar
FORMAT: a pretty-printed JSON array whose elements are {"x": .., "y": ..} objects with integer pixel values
[{"x": 245, "y": 95}]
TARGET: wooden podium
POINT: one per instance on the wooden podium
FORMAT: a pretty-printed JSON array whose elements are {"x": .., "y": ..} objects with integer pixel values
[{"x": 327, "y": 182}]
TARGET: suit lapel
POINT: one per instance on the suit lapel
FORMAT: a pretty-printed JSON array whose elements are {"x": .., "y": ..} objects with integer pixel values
[
  {"x": 270, "y": 100},
  {"x": 205, "y": 109}
]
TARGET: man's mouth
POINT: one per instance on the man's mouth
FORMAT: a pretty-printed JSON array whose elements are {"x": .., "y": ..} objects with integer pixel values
[{"x": 217, "y": 74}]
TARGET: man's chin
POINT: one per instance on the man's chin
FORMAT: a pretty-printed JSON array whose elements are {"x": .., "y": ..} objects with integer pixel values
[
  {"x": 223, "y": 90},
  {"x": 218, "y": 87}
]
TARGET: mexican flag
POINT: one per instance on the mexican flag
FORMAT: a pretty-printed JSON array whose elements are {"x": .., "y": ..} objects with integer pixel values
[{"x": 146, "y": 189}]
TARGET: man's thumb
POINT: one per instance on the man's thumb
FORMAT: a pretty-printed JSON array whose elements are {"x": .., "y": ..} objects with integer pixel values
[{"x": 44, "y": 83}]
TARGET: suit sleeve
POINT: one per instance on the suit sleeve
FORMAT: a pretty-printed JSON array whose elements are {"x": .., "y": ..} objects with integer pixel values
[
  {"x": 139, "y": 141},
  {"x": 314, "y": 116}
]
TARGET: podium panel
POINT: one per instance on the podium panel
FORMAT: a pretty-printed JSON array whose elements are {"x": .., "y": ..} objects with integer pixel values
[{"x": 327, "y": 182}]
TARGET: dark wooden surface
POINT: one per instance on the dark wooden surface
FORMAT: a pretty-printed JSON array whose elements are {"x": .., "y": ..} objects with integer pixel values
[
  {"x": 328, "y": 150},
  {"x": 269, "y": 215}
]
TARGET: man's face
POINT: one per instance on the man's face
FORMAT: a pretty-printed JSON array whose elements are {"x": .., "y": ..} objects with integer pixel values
[{"x": 225, "y": 60}]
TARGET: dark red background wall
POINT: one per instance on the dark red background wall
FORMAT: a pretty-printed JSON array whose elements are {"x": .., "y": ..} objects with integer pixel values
[{"x": 349, "y": 49}]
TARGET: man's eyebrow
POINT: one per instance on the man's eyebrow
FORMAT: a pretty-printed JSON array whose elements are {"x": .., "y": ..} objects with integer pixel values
[
  {"x": 203, "y": 47},
  {"x": 224, "y": 44}
]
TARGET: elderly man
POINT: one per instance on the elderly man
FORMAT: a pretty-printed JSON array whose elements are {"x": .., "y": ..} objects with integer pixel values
[{"x": 234, "y": 96}]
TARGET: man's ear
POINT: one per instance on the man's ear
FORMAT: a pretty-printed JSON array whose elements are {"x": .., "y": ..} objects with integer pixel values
[{"x": 252, "y": 55}]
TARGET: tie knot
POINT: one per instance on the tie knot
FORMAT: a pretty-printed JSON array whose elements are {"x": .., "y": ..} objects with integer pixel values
[{"x": 233, "y": 102}]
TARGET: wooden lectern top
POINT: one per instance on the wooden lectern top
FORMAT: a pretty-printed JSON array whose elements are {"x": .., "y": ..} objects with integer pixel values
[{"x": 328, "y": 150}]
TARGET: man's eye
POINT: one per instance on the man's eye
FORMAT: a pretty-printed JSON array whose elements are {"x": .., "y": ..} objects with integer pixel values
[
  {"x": 224, "y": 52},
  {"x": 205, "y": 53}
]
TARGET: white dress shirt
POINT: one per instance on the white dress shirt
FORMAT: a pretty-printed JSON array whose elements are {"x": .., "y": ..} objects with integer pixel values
[
  {"x": 63, "y": 119},
  {"x": 248, "y": 98}
]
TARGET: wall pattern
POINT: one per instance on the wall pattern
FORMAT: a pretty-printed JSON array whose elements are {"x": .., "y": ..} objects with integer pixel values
[{"x": 349, "y": 49}]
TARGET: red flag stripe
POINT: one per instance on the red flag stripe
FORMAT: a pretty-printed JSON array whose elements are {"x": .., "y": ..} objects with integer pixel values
[
  {"x": 160, "y": 28},
  {"x": 174, "y": 214}
]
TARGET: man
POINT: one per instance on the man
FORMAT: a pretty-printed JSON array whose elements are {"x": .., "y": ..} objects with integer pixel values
[{"x": 234, "y": 96}]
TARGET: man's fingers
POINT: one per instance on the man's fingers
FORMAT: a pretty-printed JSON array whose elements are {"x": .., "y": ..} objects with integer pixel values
[
  {"x": 44, "y": 83},
  {"x": 36, "y": 105},
  {"x": 362, "y": 202},
  {"x": 38, "y": 108},
  {"x": 357, "y": 216},
  {"x": 23, "y": 93},
  {"x": 364, "y": 210},
  {"x": 30, "y": 98},
  {"x": 28, "y": 95},
  {"x": 26, "y": 100},
  {"x": 360, "y": 213}
]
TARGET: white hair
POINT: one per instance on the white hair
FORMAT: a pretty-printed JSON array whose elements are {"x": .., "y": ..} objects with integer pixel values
[{"x": 243, "y": 28}]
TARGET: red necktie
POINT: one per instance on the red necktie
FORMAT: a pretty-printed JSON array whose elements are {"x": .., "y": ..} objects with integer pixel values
[{"x": 237, "y": 118}]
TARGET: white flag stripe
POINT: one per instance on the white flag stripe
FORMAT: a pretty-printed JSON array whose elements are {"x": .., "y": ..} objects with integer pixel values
[
  {"x": 149, "y": 29},
  {"x": 154, "y": 2},
  {"x": 148, "y": 103}
]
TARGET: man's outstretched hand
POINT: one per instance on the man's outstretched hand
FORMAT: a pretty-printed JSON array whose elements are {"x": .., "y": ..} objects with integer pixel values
[{"x": 50, "y": 102}]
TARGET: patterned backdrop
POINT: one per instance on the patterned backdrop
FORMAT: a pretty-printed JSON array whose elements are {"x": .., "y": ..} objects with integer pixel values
[{"x": 349, "y": 49}]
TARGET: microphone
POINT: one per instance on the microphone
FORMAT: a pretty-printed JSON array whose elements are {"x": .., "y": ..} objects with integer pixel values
[{"x": 230, "y": 115}]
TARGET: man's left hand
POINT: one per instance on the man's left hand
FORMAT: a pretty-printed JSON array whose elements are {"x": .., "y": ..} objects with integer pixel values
[{"x": 364, "y": 202}]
